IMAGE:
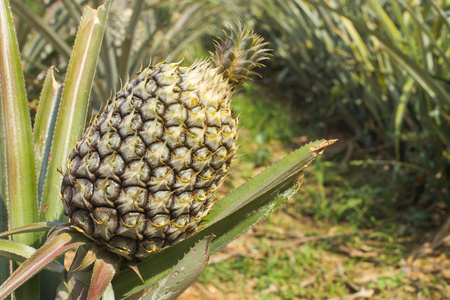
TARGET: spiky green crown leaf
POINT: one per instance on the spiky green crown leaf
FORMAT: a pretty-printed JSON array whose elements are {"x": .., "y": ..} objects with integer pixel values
[{"x": 240, "y": 52}]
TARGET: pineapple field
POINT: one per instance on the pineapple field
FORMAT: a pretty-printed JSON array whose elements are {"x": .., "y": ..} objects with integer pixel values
[{"x": 270, "y": 149}]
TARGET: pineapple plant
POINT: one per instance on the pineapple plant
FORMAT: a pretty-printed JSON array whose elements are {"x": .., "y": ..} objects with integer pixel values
[
  {"x": 144, "y": 173},
  {"x": 138, "y": 186}
]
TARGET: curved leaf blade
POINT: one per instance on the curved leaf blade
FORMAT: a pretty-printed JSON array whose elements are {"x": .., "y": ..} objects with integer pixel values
[
  {"x": 14, "y": 251},
  {"x": 51, "y": 250},
  {"x": 44, "y": 124},
  {"x": 19, "y": 252},
  {"x": 74, "y": 101},
  {"x": 20, "y": 165},
  {"x": 21, "y": 188},
  {"x": 35, "y": 227},
  {"x": 235, "y": 224},
  {"x": 4, "y": 265}
]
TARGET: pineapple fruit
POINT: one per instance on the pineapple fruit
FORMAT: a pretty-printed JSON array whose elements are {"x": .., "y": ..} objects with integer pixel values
[{"x": 144, "y": 173}]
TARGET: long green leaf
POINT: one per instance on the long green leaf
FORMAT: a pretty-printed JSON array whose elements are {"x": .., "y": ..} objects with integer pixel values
[
  {"x": 441, "y": 12},
  {"x": 358, "y": 45},
  {"x": 385, "y": 20},
  {"x": 430, "y": 85},
  {"x": 20, "y": 173},
  {"x": 44, "y": 125},
  {"x": 400, "y": 112},
  {"x": 20, "y": 165},
  {"x": 55, "y": 247},
  {"x": 34, "y": 227},
  {"x": 230, "y": 217},
  {"x": 19, "y": 252},
  {"x": 73, "y": 107},
  {"x": 4, "y": 265},
  {"x": 14, "y": 251},
  {"x": 426, "y": 31},
  {"x": 233, "y": 226}
]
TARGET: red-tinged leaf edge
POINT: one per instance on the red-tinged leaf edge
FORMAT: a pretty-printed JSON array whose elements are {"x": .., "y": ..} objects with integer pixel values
[
  {"x": 105, "y": 268},
  {"x": 51, "y": 250},
  {"x": 11, "y": 250}
]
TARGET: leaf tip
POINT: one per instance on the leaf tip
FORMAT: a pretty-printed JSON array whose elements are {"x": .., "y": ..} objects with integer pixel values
[{"x": 320, "y": 148}]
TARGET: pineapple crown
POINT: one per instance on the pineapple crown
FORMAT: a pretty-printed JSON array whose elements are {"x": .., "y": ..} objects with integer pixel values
[{"x": 240, "y": 52}]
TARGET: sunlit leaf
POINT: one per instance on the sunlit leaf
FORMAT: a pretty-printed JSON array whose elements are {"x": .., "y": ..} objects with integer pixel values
[
  {"x": 44, "y": 125},
  {"x": 51, "y": 250},
  {"x": 4, "y": 265},
  {"x": 21, "y": 189},
  {"x": 20, "y": 166},
  {"x": 11, "y": 250}
]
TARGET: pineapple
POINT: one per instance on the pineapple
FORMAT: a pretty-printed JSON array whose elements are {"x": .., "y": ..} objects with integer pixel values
[{"x": 144, "y": 173}]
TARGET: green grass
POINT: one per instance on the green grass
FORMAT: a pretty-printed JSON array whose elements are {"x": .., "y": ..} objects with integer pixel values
[{"x": 264, "y": 118}]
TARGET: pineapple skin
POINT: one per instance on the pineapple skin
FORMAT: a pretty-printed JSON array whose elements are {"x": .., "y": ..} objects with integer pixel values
[{"x": 144, "y": 173}]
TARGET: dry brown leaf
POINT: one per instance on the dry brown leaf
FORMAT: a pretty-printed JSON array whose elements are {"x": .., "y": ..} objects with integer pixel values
[
  {"x": 308, "y": 281},
  {"x": 372, "y": 277},
  {"x": 352, "y": 252},
  {"x": 363, "y": 293}
]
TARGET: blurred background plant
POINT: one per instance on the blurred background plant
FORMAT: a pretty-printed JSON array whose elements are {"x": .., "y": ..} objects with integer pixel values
[{"x": 374, "y": 73}]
